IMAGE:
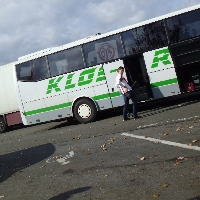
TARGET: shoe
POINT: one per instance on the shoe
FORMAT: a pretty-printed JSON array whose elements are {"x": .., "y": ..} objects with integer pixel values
[
  {"x": 138, "y": 117},
  {"x": 124, "y": 120}
]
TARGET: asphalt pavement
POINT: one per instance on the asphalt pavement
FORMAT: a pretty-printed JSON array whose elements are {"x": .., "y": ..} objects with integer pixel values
[{"x": 155, "y": 157}]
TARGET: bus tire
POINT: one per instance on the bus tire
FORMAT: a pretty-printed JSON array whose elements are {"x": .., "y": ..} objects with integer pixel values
[
  {"x": 85, "y": 110},
  {"x": 3, "y": 126}
]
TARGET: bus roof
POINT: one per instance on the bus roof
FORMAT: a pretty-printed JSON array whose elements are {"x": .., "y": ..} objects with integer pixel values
[{"x": 99, "y": 36}]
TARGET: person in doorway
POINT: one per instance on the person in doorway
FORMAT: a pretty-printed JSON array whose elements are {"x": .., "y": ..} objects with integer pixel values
[{"x": 127, "y": 94}]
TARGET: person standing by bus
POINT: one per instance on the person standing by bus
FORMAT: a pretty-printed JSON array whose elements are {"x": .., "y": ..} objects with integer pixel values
[{"x": 127, "y": 94}]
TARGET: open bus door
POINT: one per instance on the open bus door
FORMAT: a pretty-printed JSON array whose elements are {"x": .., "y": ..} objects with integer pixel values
[
  {"x": 137, "y": 77},
  {"x": 161, "y": 73}
]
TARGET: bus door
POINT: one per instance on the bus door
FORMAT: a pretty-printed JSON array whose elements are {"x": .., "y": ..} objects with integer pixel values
[
  {"x": 137, "y": 77},
  {"x": 110, "y": 70},
  {"x": 161, "y": 73}
]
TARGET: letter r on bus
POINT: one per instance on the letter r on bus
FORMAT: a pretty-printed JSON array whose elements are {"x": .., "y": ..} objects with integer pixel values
[{"x": 161, "y": 56}]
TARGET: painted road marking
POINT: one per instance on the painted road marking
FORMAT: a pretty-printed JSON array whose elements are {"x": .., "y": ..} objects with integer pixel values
[
  {"x": 185, "y": 146},
  {"x": 61, "y": 159},
  {"x": 171, "y": 121}
]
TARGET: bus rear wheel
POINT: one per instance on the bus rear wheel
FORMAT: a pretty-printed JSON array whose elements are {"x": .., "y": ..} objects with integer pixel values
[
  {"x": 3, "y": 125},
  {"x": 85, "y": 111}
]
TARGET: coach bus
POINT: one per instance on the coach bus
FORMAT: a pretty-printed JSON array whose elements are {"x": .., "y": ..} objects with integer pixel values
[{"x": 77, "y": 79}]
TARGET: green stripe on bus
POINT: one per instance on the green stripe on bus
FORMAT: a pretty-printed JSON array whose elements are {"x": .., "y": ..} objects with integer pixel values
[
  {"x": 47, "y": 109},
  {"x": 163, "y": 83},
  {"x": 65, "y": 105},
  {"x": 102, "y": 96}
]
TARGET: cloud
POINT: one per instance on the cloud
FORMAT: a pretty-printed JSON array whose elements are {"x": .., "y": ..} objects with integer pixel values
[{"x": 29, "y": 26}]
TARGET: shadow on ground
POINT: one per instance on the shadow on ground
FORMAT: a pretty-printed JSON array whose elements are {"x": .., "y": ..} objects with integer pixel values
[
  {"x": 67, "y": 195},
  {"x": 14, "y": 163}
]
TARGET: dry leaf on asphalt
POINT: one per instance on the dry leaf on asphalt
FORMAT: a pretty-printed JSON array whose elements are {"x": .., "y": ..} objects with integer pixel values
[
  {"x": 191, "y": 127},
  {"x": 190, "y": 144},
  {"x": 156, "y": 195},
  {"x": 193, "y": 141},
  {"x": 1, "y": 197},
  {"x": 143, "y": 158},
  {"x": 165, "y": 186},
  {"x": 178, "y": 129},
  {"x": 153, "y": 156}
]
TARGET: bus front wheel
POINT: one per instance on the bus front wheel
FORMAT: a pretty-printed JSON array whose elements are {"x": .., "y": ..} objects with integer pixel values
[
  {"x": 85, "y": 111},
  {"x": 3, "y": 125}
]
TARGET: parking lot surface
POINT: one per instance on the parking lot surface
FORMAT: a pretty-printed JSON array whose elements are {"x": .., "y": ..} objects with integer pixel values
[{"x": 155, "y": 157}]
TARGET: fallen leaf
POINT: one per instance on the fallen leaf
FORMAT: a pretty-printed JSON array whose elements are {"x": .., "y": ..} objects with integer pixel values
[
  {"x": 191, "y": 127},
  {"x": 153, "y": 156},
  {"x": 166, "y": 134},
  {"x": 106, "y": 175},
  {"x": 177, "y": 163},
  {"x": 193, "y": 141},
  {"x": 104, "y": 149},
  {"x": 156, "y": 195},
  {"x": 143, "y": 158},
  {"x": 190, "y": 144},
  {"x": 178, "y": 129},
  {"x": 1, "y": 197},
  {"x": 42, "y": 166},
  {"x": 165, "y": 186}
]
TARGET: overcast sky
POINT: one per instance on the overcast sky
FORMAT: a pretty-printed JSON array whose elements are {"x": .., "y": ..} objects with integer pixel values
[{"x": 29, "y": 26}]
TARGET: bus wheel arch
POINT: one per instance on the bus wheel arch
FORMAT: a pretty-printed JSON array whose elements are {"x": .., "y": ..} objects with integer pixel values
[
  {"x": 84, "y": 109},
  {"x": 3, "y": 124}
]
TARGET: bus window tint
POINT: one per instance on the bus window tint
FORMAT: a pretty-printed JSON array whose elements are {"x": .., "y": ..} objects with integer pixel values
[
  {"x": 39, "y": 69},
  {"x": 184, "y": 26},
  {"x": 24, "y": 71},
  {"x": 145, "y": 38},
  {"x": 103, "y": 50},
  {"x": 66, "y": 61}
]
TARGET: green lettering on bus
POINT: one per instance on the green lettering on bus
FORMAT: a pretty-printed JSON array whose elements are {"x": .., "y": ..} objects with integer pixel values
[
  {"x": 86, "y": 77},
  {"x": 69, "y": 84},
  {"x": 161, "y": 56},
  {"x": 53, "y": 84},
  {"x": 101, "y": 75}
]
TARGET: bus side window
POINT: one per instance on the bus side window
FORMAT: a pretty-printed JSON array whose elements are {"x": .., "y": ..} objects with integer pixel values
[
  {"x": 39, "y": 69},
  {"x": 24, "y": 71}
]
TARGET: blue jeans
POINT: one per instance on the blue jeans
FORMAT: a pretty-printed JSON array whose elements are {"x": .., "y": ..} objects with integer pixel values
[{"x": 127, "y": 97}]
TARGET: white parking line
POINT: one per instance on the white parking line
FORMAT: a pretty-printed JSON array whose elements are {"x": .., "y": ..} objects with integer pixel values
[
  {"x": 185, "y": 146},
  {"x": 170, "y": 121}
]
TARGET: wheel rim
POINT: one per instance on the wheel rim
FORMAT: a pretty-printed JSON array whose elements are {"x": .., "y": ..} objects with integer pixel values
[{"x": 84, "y": 111}]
